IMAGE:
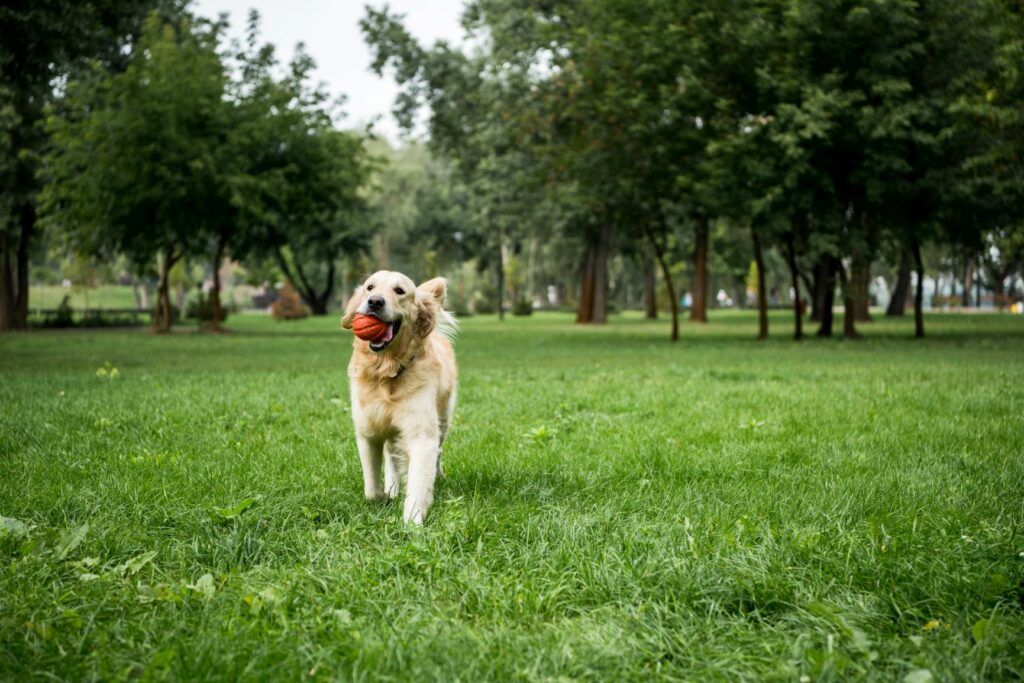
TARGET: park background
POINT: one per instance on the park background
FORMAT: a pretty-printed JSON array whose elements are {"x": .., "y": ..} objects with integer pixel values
[{"x": 741, "y": 357}]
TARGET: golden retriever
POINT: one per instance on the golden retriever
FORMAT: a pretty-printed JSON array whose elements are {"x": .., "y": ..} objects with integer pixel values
[{"x": 403, "y": 387}]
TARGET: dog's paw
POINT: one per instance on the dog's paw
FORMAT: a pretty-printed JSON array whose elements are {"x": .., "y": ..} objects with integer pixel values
[
  {"x": 415, "y": 512},
  {"x": 375, "y": 495}
]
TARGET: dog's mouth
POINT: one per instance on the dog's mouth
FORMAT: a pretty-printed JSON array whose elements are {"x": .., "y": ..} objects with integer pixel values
[{"x": 385, "y": 341}]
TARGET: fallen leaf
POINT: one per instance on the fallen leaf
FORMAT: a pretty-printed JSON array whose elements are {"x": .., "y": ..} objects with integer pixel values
[
  {"x": 70, "y": 540},
  {"x": 234, "y": 511},
  {"x": 9, "y": 526},
  {"x": 204, "y": 585}
]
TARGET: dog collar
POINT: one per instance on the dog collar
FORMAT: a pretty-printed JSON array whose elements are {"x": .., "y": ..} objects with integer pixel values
[{"x": 403, "y": 367}]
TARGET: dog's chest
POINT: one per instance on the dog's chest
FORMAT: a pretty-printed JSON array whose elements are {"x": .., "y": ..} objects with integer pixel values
[{"x": 378, "y": 411}]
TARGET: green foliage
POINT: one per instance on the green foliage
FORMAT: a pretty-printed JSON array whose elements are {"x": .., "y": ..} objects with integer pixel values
[{"x": 142, "y": 147}]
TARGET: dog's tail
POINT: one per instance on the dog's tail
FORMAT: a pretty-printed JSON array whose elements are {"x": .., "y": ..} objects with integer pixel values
[{"x": 447, "y": 325}]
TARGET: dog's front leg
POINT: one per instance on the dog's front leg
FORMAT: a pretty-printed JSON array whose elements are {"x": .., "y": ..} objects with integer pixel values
[
  {"x": 392, "y": 471},
  {"x": 419, "y": 492},
  {"x": 370, "y": 452}
]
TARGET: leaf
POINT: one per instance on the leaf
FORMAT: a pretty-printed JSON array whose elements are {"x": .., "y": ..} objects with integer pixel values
[
  {"x": 9, "y": 526},
  {"x": 70, "y": 540},
  {"x": 204, "y": 585},
  {"x": 931, "y": 625},
  {"x": 132, "y": 566},
  {"x": 919, "y": 676},
  {"x": 234, "y": 511},
  {"x": 981, "y": 629}
]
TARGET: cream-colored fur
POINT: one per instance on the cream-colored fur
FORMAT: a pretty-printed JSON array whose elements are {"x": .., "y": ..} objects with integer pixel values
[{"x": 403, "y": 397}]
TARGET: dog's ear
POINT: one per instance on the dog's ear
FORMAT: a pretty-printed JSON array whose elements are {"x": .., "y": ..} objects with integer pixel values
[
  {"x": 350, "y": 308},
  {"x": 436, "y": 289},
  {"x": 429, "y": 300}
]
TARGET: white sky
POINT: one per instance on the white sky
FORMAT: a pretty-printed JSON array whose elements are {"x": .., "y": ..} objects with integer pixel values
[{"x": 330, "y": 31}]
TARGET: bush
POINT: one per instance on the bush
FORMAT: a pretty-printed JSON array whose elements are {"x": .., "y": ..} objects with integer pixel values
[
  {"x": 459, "y": 308},
  {"x": 288, "y": 305},
  {"x": 522, "y": 306},
  {"x": 201, "y": 309},
  {"x": 65, "y": 314}
]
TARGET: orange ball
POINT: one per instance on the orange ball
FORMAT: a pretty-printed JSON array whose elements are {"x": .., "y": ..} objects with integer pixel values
[{"x": 368, "y": 327}]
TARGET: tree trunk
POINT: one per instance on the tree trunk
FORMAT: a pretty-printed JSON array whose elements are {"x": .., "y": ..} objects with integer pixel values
[
  {"x": 798, "y": 331},
  {"x": 666, "y": 272},
  {"x": 699, "y": 309},
  {"x": 860, "y": 287},
  {"x": 162, "y": 314},
  {"x": 762, "y": 295},
  {"x": 585, "y": 305},
  {"x": 501, "y": 283},
  {"x": 599, "y": 314},
  {"x": 6, "y": 284},
  {"x": 824, "y": 281},
  {"x": 650, "y": 288},
  {"x": 969, "y": 266},
  {"x": 28, "y": 222},
  {"x": 849, "y": 304},
  {"x": 217, "y": 314},
  {"x": 593, "y": 303},
  {"x": 820, "y": 296},
  {"x": 898, "y": 302},
  {"x": 919, "y": 294},
  {"x": 332, "y": 271}
]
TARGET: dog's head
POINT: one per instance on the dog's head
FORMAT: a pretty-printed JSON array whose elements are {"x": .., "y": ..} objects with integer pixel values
[{"x": 410, "y": 311}]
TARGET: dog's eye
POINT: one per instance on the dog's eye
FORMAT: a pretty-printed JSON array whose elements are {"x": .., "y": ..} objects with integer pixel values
[
  {"x": 369, "y": 288},
  {"x": 399, "y": 291}
]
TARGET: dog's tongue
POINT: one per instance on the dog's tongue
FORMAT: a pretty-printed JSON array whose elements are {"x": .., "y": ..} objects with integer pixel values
[{"x": 388, "y": 335}]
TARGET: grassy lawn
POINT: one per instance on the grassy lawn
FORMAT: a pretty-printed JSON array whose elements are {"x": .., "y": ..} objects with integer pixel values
[
  {"x": 616, "y": 507},
  {"x": 104, "y": 296}
]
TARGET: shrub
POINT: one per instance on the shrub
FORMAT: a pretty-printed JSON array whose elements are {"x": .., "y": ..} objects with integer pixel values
[
  {"x": 288, "y": 305},
  {"x": 522, "y": 306},
  {"x": 64, "y": 317},
  {"x": 201, "y": 309}
]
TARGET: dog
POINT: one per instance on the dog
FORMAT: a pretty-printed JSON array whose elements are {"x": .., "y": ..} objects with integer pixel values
[{"x": 402, "y": 387}]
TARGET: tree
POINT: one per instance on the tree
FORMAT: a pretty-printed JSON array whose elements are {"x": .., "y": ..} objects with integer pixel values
[
  {"x": 43, "y": 40},
  {"x": 298, "y": 186},
  {"x": 137, "y": 160}
]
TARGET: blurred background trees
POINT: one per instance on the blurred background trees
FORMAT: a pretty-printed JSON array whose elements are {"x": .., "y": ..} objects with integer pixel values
[{"x": 665, "y": 155}]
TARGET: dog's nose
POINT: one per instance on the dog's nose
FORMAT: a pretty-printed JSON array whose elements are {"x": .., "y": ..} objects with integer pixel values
[{"x": 375, "y": 303}]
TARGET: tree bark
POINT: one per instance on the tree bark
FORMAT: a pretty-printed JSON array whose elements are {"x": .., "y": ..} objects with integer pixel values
[
  {"x": 162, "y": 315},
  {"x": 824, "y": 282},
  {"x": 6, "y": 283},
  {"x": 969, "y": 267},
  {"x": 699, "y": 308},
  {"x": 501, "y": 283},
  {"x": 762, "y": 295},
  {"x": 898, "y": 302},
  {"x": 593, "y": 303},
  {"x": 919, "y": 294},
  {"x": 798, "y": 331},
  {"x": 585, "y": 305},
  {"x": 849, "y": 304},
  {"x": 650, "y": 288},
  {"x": 28, "y": 222},
  {"x": 216, "y": 312},
  {"x": 599, "y": 314},
  {"x": 860, "y": 287},
  {"x": 666, "y": 272}
]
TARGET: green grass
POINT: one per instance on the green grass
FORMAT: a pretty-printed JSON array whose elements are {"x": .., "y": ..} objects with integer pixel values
[
  {"x": 616, "y": 507},
  {"x": 104, "y": 296}
]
